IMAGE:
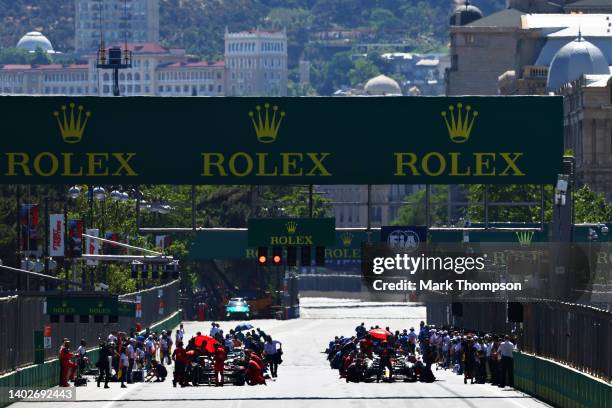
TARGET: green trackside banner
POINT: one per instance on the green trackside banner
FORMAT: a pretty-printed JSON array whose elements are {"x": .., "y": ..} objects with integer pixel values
[
  {"x": 291, "y": 231},
  {"x": 387, "y": 140},
  {"x": 83, "y": 305}
]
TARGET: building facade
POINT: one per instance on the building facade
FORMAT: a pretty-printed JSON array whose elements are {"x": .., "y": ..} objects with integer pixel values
[
  {"x": 156, "y": 71},
  {"x": 587, "y": 118},
  {"x": 484, "y": 48},
  {"x": 256, "y": 63},
  {"x": 136, "y": 21}
]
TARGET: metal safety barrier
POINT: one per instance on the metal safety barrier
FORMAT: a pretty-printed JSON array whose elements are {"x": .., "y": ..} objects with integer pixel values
[
  {"x": 21, "y": 316},
  {"x": 572, "y": 334}
]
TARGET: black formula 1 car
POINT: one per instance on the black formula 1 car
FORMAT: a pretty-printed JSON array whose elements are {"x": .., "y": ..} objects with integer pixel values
[{"x": 234, "y": 371}]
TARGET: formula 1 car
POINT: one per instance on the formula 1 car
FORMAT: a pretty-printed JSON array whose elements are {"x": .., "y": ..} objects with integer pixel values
[
  {"x": 405, "y": 368},
  {"x": 233, "y": 373}
]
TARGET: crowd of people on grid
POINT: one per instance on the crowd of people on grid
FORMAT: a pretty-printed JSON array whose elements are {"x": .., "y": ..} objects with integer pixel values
[
  {"x": 127, "y": 357},
  {"x": 479, "y": 357}
]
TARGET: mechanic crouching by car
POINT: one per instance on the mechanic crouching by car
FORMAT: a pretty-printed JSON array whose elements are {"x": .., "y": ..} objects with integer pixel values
[{"x": 255, "y": 367}]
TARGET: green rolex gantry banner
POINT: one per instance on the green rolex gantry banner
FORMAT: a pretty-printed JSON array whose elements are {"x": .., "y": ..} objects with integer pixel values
[{"x": 386, "y": 140}]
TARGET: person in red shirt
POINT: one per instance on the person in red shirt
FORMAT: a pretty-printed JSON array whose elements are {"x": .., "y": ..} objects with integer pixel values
[
  {"x": 367, "y": 345},
  {"x": 253, "y": 374},
  {"x": 251, "y": 355},
  {"x": 67, "y": 365},
  {"x": 179, "y": 355},
  {"x": 348, "y": 360},
  {"x": 219, "y": 357}
]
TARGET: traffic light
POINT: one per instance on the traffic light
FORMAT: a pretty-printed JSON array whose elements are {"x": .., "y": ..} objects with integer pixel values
[
  {"x": 277, "y": 255},
  {"x": 291, "y": 256},
  {"x": 320, "y": 256},
  {"x": 306, "y": 258},
  {"x": 262, "y": 255},
  {"x": 134, "y": 270},
  {"x": 145, "y": 271}
]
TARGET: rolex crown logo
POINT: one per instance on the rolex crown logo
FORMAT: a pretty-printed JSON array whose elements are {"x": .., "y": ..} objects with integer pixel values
[
  {"x": 266, "y": 123},
  {"x": 72, "y": 124},
  {"x": 291, "y": 227},
  {"x": 347, "y": 238},
  {"x": 524, "y": 237},
  {"x": 460, "y": 124}
]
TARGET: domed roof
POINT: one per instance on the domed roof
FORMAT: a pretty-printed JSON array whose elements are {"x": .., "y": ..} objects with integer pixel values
[
  {"x": 382, "y": 85},
  {"x": 33, "y": 40},
  {"x": 465, "y": 14},
  {"x": 574, "y": 59}
]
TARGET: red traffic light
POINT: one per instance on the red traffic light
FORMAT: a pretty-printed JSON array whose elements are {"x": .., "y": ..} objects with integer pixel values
[
  {"x": 262, "y": 255},
  {"x": 277, "y": 255}
]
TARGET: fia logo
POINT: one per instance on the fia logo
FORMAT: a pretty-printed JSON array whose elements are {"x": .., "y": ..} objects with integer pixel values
[{"x": 404, "y": 240}]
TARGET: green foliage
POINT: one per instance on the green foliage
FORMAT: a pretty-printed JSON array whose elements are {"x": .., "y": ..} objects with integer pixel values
[
  {"x": 591, "y": 207},
  {"x": 198, "y": 25},
  {"x": 362, "y": 70},
  {"x": 15, "y": 56},
  {"x": 40, "y": 57},
  {"x": 512, "y": 193},
  {"x": 413, "y": 212}
]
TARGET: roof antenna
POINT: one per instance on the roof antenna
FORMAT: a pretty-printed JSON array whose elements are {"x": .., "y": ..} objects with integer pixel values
[
  {"x": 102, "y": 49},
  {"x": 126, "y": 53},
  {"x": 579, "y": 34}
]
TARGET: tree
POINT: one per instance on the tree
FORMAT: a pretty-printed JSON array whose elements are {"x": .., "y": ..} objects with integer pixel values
[
  {"x": 591, "y": 207},
  {"x": 509, "y": 193},
  {"x": 413, "y": 211},
  {"x": 40, "y": 57},
  {"x": 363, "y": 70},
  {"x": 14, "y": 56}
]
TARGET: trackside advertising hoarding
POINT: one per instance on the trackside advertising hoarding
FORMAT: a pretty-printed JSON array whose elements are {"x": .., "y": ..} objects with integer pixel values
[{"x": 390, "y": 140}]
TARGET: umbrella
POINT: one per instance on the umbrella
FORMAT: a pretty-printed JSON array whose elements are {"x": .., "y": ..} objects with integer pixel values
[
  {"x": 206, "y": 342},
  {"x": 380, "y": 334},
  {"x": 244, "y": 326}
]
